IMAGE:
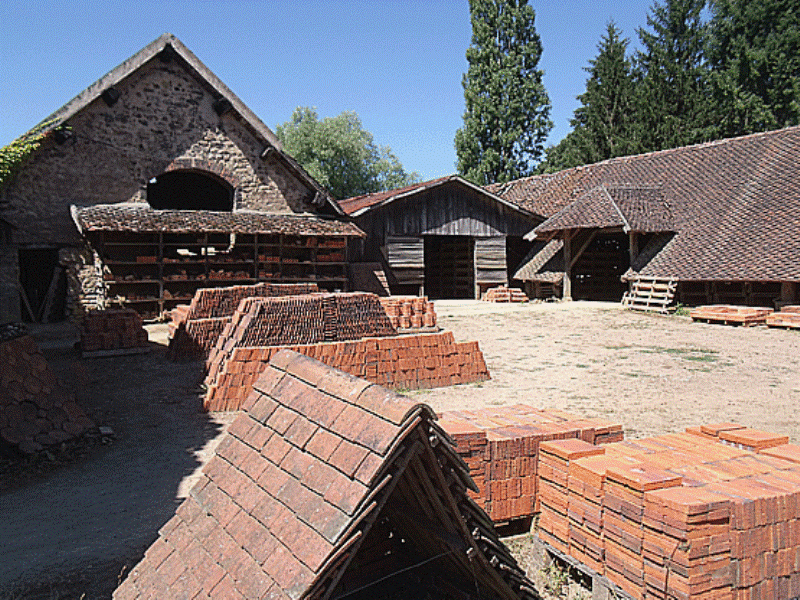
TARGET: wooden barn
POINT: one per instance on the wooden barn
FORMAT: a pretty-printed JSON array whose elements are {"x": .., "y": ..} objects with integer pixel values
[
  {"x": 446, "y": 238},
  {"x": 152, "y": 182},
  {"x": 720, "y": 219}
]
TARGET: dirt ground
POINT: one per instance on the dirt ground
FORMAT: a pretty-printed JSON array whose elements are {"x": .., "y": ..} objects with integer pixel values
[{"x": 69, "y": 530}]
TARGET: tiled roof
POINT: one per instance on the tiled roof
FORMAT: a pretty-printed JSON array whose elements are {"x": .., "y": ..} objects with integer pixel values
[
  {"x": 320, "y": 474},
  {"x": 139, "y": 217},
  {"x": 734, "y": 204},
  {"x": 544, "y": 262}
]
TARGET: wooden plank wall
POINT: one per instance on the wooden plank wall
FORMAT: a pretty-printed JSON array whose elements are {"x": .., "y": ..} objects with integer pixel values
[
  {"x": 406, "y": 258},
  {"x": 490, "y": 260}
]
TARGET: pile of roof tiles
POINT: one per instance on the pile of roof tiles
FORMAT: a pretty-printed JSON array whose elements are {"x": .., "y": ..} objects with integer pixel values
[
  {"x": 409, "y": 312},
  {"x": 788, "y": 318},
  {"x": 36, "y": 410},
  {"x": 712, "y": 513},
  {"x": 731, "y": 315},
  {"x": 501, "y": 448},
  {"x": 326, "y": 485},
  {"x": 399, "y": 362},
  {"x": 195, "y": 327},
  {"x": 112, "y": 330},
  {"x": 504, "y": 294}
]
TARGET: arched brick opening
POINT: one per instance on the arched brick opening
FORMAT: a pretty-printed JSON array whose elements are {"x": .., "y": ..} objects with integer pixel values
[{"x": 190, "y": 189}]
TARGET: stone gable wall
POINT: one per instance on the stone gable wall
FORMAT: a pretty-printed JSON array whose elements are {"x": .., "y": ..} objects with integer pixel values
[{"x": 163, "y": 120}]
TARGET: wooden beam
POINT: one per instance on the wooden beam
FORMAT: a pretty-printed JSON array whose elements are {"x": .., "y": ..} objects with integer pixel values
[{"x": 567, "y": 287}]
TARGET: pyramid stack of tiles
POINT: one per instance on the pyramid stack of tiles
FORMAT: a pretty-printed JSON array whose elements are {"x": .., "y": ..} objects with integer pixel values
[
  {"x": 501, "y": 448},
  {"x": 195, "y": 327},
  {"x": 712, "y": 513},
  {"x": 409, "y": 312},
  {"x": 350, "y": 332},
  {"x": 504, "y": 294}
]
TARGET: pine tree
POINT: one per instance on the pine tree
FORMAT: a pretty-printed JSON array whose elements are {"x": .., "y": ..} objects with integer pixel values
[
  {"x": 754, "y": 53},
  {"x": 604, "y": 125},
  {"x": 672, "y": 75},
  {"x": 506, "y": 120}
]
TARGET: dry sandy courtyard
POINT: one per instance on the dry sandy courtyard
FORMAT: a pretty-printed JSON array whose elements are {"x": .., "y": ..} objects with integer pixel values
[{"x": 653, "y": 374}]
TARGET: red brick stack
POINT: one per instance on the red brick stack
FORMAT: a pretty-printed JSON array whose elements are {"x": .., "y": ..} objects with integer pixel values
[
  {"x": 195, "y": 327},
  {"x": 36, "y": 410},
  {"x": 731, "y": 315},
  {"x": 788, "y": 318},
  {"x": 112, "y": 330},
  {"x": 704, "y": 515},
  {"x": 504, "y": 294},
  {"x": 501, "y": 447},
  {"x": 400, "y": 362},
  {"x": 409, "y": 312}
]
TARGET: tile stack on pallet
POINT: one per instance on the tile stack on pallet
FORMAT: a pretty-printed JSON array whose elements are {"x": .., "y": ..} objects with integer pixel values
[
  {"x": 36, "y": 410},
  {"x": 501, "y": 447},
  {"x": 504, "y": 294},
  {"x": 409, "y": 312},
  {"x": 195, "y": 327},
  {"x": 708, "y": 514},
  {"x": 400, "y": 362},
  {"x": 787, "y": 318},
  {"x": 731, "y": 315},
  {"x": 106, "y": 332}
]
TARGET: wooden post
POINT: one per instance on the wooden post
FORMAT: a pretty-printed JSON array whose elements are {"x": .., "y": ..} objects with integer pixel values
[
  {"x": 567, "y": 287},
  {"x": 633, "y": 246}
]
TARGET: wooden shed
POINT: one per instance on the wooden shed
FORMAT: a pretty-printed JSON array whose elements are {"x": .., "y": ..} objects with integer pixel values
[{"x": 446, "y": 238}]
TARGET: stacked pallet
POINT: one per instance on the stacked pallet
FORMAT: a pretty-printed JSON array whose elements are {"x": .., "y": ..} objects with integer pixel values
[
  {"x": 108, "y": 332},
  {"x": 501, "y": 448},
  {"x": 707, "y": 514},
  {"x": 731, "y": 315},
  {"x": 195, "y": 327},
  {"x": 788, "y": 318},
  {"x": 401, "y": 362},
  {"x": 36, "y": 410},
  {"x": 409, "y": 312},
  {"x": 504, "y": 294},
  {"x": 650, "y": 294}
]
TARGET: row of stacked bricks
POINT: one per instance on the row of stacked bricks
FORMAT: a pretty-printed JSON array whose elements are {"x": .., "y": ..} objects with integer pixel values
[
  {"x": 36, "y": 410},
  {"x": 500, "y": 445},
  {"x": 713, "y": 513},
  {"x": 400, "y": 362},
  {"x": 195, "y": 327},
  {"x": 409, "y": 312},
  {"x": 504, "y": 294},
  {"x": 112, "y": 330}
]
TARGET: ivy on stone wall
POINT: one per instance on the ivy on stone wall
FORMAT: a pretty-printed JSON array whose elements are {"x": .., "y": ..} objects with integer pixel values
[{"x": 17, "y": 152}]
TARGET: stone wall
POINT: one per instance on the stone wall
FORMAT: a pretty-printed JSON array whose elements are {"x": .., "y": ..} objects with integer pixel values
[
  {"x": 9, "y": 292},
  {"x": 163, "y": 120},
  {"x": 85, "y": 287}
]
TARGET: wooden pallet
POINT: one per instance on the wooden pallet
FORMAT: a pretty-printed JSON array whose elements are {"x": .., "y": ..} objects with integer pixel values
[
  {"x": 651, "y": 294},
  {"x": 724, "y": 314},
  {"x": 788, "y": 318}
]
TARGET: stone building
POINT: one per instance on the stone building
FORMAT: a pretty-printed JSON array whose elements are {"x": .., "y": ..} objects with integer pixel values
[{"x": 153, "y": 181}]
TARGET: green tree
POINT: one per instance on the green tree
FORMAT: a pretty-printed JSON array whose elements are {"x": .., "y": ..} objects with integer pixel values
[
  {"x": 341, "y": 155},
  {"x": 754, "y": 54},
  {"x": 604, "y": 124},
  {"x": 507, "y": 116},
  {"x": 672, "y": 75}
]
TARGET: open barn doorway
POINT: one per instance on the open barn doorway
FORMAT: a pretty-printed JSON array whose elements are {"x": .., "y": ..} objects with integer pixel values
[
  {"x": 449, "y": 267},
  {"x": 43, "y": 285},
  {"x": 596, "y": 275}
]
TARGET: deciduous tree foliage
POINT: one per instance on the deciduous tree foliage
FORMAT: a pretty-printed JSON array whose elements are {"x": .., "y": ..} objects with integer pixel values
[
  {"x": 754, "y": 56},
  {"x": 604, "y": 126},
  {"x": 341, "y": 155},
  {"x": 506, "y": 120}
]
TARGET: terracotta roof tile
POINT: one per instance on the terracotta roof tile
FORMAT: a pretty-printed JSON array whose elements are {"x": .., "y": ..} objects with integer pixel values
[{"x": 293, "y": 484}]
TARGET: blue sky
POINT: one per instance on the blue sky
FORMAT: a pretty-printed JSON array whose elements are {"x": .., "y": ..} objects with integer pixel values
[{"x": 398, "y": 64}]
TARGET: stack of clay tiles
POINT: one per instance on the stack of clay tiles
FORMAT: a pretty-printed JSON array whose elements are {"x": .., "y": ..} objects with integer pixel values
[
  {"x": 504, "y": 294},
  {"x": 731, "y": 315},
  {"x": 327, "y": 486},
  {"x": 36, "y": 410},
  {"x": 195, "y": 327},
  {"x": 409, "y": 312},
  {"x": 787, "y": 318},
  {"x": 401, "y": 362},
  {"x": 713, "y": 513},
  {"x": 501, "y": 448},
  {"x": 109, "y": 332}
]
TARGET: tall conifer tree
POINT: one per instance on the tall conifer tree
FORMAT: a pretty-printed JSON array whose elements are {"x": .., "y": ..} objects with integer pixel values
[
  {"x": 507, "y": 116},
  {"x": 672, "y": 109}
]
